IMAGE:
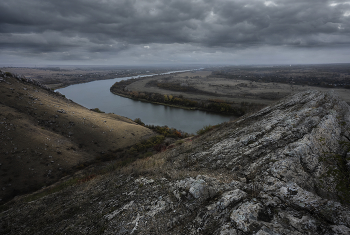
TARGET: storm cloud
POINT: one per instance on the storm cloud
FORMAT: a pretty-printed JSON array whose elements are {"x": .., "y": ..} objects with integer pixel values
[{"x": 174, "y": 31}]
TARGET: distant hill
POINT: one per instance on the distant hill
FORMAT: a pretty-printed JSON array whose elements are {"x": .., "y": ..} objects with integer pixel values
[
  {"x": 282, "y": 170},
  {"x": 44, "y": 136}
]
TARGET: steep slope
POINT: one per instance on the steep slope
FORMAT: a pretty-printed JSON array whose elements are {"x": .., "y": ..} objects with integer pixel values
[
  {"x": 43, "y": 135},
  {"x": 283, "y": 170}
]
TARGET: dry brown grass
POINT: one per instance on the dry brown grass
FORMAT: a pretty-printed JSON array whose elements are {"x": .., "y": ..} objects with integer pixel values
[
  {"x": 152, "y": 164},
  {"x": 39, "y": 145}
]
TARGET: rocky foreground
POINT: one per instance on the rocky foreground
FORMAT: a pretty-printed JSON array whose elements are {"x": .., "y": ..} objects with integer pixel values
[{"x": 283, "y": 170}]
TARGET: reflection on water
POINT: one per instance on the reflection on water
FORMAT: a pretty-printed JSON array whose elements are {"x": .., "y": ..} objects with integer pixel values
[{"x": 96, "y": 94}]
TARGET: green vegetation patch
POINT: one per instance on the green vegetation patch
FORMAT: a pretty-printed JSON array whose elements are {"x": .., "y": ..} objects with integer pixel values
[
  {"x": 205, "y": 129},
  {"x": 172, "y": 86},
  {"x": 8, "y": 74},
  {"x": 164, "y": 130},
  {"x": 97, "y": 110},
  {"x": 146, "y": 144},
  {"x": 337, "y": 169}
]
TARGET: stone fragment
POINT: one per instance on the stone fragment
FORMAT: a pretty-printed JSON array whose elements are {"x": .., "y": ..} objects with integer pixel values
[
  {"x": 227, "y": 229},
  {"x": 202, "y": 187},
  {"x": 340, "y": 229},
  {"x": 61, "y": 111},
  {"x": 246, "y": 216},
  {"x": 230, "y": 197},
  {"x": 144, "y": 181}
]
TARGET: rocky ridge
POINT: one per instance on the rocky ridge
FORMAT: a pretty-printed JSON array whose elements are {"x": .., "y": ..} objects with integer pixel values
[{"x": 282, "y": 170}]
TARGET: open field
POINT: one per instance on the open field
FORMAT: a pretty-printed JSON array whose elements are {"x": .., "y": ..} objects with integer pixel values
[
  {"x": 203, "y": 85},
  {"x": 58, "y": 77},
  {"x": 321, "y": 75}
]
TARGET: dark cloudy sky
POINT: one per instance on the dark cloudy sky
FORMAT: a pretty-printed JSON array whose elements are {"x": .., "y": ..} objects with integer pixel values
[{"x": 174, "y": 31}]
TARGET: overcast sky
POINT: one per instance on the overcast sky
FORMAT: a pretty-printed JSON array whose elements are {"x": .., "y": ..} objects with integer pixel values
[{"x": 174, "y": 31}]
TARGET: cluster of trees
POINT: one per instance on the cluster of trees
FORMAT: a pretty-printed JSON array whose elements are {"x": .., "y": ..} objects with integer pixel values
[
  {"x": 218, "y": 106},
  {"x": 179, "y": 100},
  {"x": 164, "y": 130},
  {"x": 224, "y": 108},
  {"x": 172, "y": 86}
]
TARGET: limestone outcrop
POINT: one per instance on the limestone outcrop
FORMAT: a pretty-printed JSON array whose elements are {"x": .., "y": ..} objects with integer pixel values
[{"x": 282, "y": 170}]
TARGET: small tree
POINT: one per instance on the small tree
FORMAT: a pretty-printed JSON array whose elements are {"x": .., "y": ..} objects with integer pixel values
[{"x": 138, "y": 121}]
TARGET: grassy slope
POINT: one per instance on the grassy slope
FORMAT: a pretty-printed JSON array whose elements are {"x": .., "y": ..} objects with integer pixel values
[{"x": 39, "y": 143}]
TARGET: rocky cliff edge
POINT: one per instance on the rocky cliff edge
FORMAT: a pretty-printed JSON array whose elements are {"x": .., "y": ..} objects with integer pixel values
[{"x": 282, "y": 170}]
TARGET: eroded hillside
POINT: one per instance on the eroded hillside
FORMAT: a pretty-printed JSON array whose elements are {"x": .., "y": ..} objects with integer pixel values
[
  {"x": 44, "y": 135},
  {"x": 282, "y": 170}
]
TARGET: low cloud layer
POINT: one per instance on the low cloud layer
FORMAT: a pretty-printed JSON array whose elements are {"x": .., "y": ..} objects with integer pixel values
[{"x": 174, "y": 31}]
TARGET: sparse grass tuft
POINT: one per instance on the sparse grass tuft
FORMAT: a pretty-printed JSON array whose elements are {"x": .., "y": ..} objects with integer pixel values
[
  {"x": 337, "y": 170},
  {"x": 205, "y": 129},
  {"x": 138, "y": 121},
  {"x": 97, "y": 110},
  {"x": 8, "y": 74},
  {"x": 146, "y": 165}
]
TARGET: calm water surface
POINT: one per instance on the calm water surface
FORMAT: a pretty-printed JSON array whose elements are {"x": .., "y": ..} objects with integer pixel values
[{"x": 96, "y": 94}]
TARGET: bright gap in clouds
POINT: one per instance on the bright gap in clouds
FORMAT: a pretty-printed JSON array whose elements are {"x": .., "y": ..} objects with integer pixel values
[
  {"x": 270, "y": 3},
  {"x": 338, "y": 3}
]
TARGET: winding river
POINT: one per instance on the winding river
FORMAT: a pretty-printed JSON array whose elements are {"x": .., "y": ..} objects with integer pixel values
[{"x": 96, "y": 94}]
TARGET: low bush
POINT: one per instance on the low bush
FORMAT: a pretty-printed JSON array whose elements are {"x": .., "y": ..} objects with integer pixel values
[
  {"x": 97, "y": 110},
  {"x": 146, "y": 144},
  {"x": 164, "y": 130},
  {"x": 138, "y": 121},
  {"x": 205, "y": 129},
  {"x": 8, "y": 74}
]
